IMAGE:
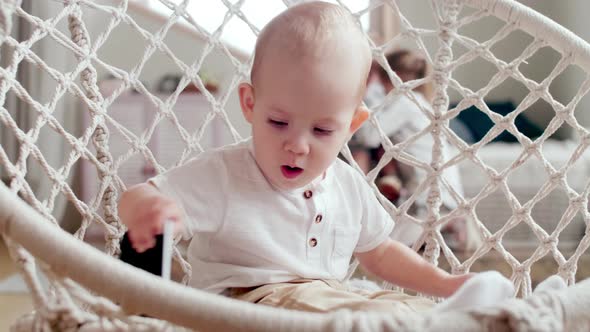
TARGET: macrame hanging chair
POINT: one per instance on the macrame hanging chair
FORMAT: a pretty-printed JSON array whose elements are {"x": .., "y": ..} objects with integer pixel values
[{"x": 90, "y": 290}]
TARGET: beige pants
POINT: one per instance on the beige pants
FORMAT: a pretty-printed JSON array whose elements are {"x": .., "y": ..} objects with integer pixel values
[{"x": 328, "y": 295}]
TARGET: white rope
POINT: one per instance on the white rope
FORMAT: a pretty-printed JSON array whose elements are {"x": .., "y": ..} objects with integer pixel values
[{"x": 140, "y": 292}]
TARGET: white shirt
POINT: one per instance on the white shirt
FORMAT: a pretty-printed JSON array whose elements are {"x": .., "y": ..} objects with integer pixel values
[
  {"x": 399, "y": 121},
  {"x": 245, "y": 232}
]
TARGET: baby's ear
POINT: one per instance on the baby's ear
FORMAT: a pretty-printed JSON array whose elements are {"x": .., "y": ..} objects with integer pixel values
[
  {"x": 246, "y": 93},
  {"x": 360, "y": 116}
]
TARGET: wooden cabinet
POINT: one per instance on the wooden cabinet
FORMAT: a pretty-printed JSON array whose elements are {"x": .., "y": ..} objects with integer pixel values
[{"x": 135, "y": 115}]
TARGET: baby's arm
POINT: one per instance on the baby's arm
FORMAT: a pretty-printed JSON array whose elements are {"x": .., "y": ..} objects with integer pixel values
[
  {"x": 400, "y": 265},
  {"x": 144, "y": 209}
]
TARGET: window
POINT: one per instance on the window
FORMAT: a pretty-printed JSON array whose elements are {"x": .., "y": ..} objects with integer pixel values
[{"x": 236, "y": 33}]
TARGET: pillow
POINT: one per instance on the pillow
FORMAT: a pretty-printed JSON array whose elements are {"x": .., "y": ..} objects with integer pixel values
[
  {"x": 462, "y": 130},
  {"x": 479, "y": 123}
]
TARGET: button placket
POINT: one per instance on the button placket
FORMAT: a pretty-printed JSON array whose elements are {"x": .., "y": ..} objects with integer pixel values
[
  {"x": 316, "y": 223},
  {"x": 318, "y": 218}
]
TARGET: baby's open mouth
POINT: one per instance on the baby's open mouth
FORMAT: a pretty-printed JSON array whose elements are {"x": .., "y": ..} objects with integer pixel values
[{"x": 291, "y": 172}]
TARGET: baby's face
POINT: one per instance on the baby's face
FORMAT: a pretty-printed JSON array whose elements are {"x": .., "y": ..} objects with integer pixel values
[{"x": 302, "y": 117}]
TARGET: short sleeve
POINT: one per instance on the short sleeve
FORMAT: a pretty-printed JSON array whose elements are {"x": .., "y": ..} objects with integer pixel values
[
  {"x": 376, "y": 223},
  {"x": 199, "y": 188}
]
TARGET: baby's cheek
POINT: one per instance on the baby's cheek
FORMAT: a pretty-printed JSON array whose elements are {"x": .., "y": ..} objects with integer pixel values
[{"x": 326, "y": 161}]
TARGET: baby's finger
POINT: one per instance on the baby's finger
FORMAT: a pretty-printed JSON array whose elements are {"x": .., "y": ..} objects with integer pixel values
[
  {"x": 156, "y": 229},
  {"x": 133, "y": 239},
  {"x": 145, "y": 246},
  {"x": 144, "y": 243},
  {"x": 172, "y": 214}
]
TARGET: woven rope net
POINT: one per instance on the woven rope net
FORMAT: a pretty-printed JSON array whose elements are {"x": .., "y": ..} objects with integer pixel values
[{"x": 445, "y": 41}]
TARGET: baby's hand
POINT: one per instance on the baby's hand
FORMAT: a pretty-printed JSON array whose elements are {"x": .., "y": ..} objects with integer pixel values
[{"x": 144, "y": 210}]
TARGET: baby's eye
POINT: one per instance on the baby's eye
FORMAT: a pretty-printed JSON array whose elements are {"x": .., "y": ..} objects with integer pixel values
[
  {"x": 277, "y": 123},
  {"x": 322, "y": 131}
]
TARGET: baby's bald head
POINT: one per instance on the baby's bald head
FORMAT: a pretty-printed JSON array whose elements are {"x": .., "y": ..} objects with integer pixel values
[{"x": 313, "y": 32}]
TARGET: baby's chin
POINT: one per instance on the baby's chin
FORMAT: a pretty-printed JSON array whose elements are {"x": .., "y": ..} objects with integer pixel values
[{"x": 291, "y": 184}]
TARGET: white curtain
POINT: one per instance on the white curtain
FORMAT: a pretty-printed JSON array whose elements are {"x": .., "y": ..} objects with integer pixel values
[{"x": 41, "y": 87}]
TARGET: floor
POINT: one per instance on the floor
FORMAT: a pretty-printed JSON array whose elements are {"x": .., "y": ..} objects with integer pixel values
[{"x": 13, "y": 303}]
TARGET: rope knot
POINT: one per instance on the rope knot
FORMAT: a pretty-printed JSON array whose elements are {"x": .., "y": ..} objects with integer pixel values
[
  {"x": 550, "y": 241},
  {"x": 562, "y": 112},
  {"x": 492, "y": 241},
  {"x": 79, "y": 147},
  {"x": 540, "y": 89},
  {"x": 556, "y": 177},
  {"x": 445, "y": 31},
  {"x": 67, "y": 80},
  {"x": 472, "y": 98},
  {"x": 464, "y": 208},
  {"x": 469, "y": 152},
  {"x": 510, "y": 69},
  {"x": 521, "y": 270},
  {"x": 192, "y": 73},
  {"x": 404, "y": 89},
  {"x": 59, "y": 178},
  {"x": 118, "y": 15},
  {"x": 577, "y": 201},
  {"x": 217, "y": 107},
  {"x": 496, "y": 178},
  {"x": 480, "y": 49},
  {"x": 412, "y": 33},
  {"x": 568, "y": 269},
  {"x": 139, "y": 144},
  {"x": 440, "y": 77},
  {"x": 531, "y": 148},
  {"x": 505, "y": 122},
  {"x": 156, "y": 41},
  {"x": 61, "y": 315},
  {"x": 458, "y": 270},
  {"x": 129, "y": 78},
  {"x": 43, "y": 27},
  {"x": 180, "y": 9},
  {"x": 114, "y": 236},
  {"x": 521, "y": 213}
]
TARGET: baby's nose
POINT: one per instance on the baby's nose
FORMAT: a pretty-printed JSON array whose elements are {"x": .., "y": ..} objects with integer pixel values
[{"x": 297, "y": 145}]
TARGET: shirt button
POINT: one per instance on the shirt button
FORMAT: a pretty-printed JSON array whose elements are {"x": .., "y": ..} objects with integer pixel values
[
  {"x": 318, "y": 218},
  {"x": 307, "y": 194},
  {"x": 313, "y": 242}
]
